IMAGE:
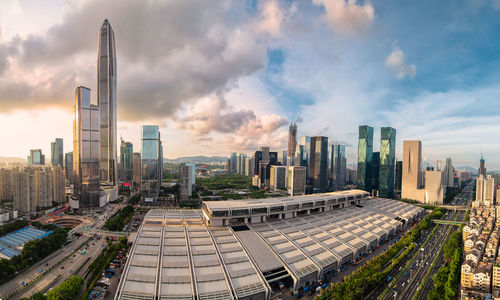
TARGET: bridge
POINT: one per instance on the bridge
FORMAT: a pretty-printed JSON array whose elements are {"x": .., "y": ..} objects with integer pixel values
[
  {"x": 448, "y": 222},
  {"x": 90, "y": 230}
]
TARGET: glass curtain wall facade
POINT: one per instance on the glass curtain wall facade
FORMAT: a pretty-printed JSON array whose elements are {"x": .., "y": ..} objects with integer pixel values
[
  {"x": 338, "y": 164},
  {"x": 126, "y": 162},
  {"x": 387, "y": 161},
  {"x": 86, "y": 125},
  {"x": 106, "y": 99},
  {"x": 151, "y": 163},
  {"x": 68, "y": 166},
  {"x": 365, "y": 153},
  {"x": 36, "y": 157},
  {"x": 318, "y": 163},
  {"x": 57, "y": 152}
]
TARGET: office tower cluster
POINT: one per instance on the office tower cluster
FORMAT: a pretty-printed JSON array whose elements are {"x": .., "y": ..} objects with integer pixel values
[
  {"x": 424, "y": 187},
  {"x": 240, "y": 163},
  {"x": 33, "y": 188},
  {"x": 187, "y": 178},
  {"x": 376, "y": 170},
  {"x": 480, "y": 271}
]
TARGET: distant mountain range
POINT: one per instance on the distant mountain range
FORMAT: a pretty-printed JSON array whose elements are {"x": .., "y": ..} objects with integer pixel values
[
  {"x": 468, "y": 169},
  {"x": 5, "y": 160},
  {"x": 197, "y": 159}
]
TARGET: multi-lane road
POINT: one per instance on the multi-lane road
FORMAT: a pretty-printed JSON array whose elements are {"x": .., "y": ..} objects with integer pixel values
[{"x": 407, "y": 285}]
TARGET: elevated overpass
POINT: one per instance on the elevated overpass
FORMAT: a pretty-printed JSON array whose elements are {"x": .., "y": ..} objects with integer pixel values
[
  {"x": 89, "y": 230},
  {"x": 448, "y": 222}
]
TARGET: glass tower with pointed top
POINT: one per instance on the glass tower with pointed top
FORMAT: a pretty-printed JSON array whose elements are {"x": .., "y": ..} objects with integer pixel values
[
  {"x": 387, "y": 161},
  {"x": 106, "y": 100}
]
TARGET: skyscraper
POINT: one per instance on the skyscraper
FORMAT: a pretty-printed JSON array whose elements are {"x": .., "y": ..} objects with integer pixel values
[
  {"x": 485, "y": 190},
  {"x": 387, "y": 160},
  {"x": 151, "y": 163},
  {"x": 68, "y": 166},
  {"x": 137, "y": 168},
  {"x": 411, "y": 175},
  {"x": 292, "y": 142},
  {"x": 365, "y": 152},
  {"x": 296, "y": 180},
  {"x": 318, "y": 163},
  {"x": 186, "y": 177},
  {"x": 36, "y": 157},
  {"x": 57, "y": 153},
  {"x": 399, "y": 174},
  {"x": 85, "y": 151},
  {"x": 338, "y": 166},
  {"x": 233, "y": 163},
  {"x": 449, "y": 173},
  {"x": 106, "y": 100},
  {"x": 482, "y": 168},
  {"x": 126, "y": 161}
]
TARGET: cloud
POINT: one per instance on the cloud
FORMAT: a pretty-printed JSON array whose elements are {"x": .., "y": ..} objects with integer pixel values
[
  {"x": 272, "y": 17},
  {"x": 396, "y": 62},
  {"x": 346, "y": 16},
  {"x": 168, "y": 53},
  {"x": 213, "y": 114}
]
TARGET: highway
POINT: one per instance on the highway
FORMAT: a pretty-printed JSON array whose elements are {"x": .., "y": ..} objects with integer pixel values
[
  {"x": 64, "y": 270},
  {"x": 407, "y": 285},
  {"x": 70, "y": 264}
]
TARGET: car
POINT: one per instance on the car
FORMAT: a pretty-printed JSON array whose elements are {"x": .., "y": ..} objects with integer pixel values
[
  {"x": 62, "y": 267},
  {"x": 46, "y": 264}
]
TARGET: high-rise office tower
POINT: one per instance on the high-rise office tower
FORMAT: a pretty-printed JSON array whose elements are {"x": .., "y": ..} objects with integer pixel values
[
  {"x": 36, "y": 157},
  {"x": 338, "y": 166},
  {"x": 449, "y": 173},
  {"x": 68, "y": 166},
  {"x": 365, "y": 153},
  {"x": 57, "y": 153},
  {"x": 296, "y": 180},
  {"x": 439, "y": 165},
  {"x": 151, "y": 163},
  {"x": 126, "y": 161},
  {"x": 186, "y": 177},
  {"x": 233, "y": 163},
  {"x": 136, "y": 168},
  {"x": 399, "y": 174},
  {"x": 373, "y": 178},
  {"x": 248, "y": 166},
  {"x": 283, "y": 157},
  {"x": 387, "y": 160},
  {"x": 106, "y": 100},
  {"x": 86, "y": 127},
  {"x": 278, "y": 177},
  {"x": 434, "y": 189},
  {"x": 292, "y": 142},
  {"x": 318, "y": 163},
  {"x": 240, "y": 163},
  {"x": 482, "y": 168},
  {"x": 411, "y": 175},
  {"x": 485, "y": 190}
]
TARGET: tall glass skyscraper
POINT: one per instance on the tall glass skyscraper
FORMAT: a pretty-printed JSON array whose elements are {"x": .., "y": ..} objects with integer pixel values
[
  {"x": 387, "y": 161},
  {"x": 365, "y": 153},
  {"x": 126, "y": 161},
  {"x": 68, "y": 166},
  {"x": 151, "y": 163},
  {"x": 318, "y": 163},
  {"x": 106, "y": 100},
  {"x": 36, "y": 157},
  {"x": 85, "y": 151},
  {"x": 338, "y": 166},
  {"x": 57, "y": 153}
]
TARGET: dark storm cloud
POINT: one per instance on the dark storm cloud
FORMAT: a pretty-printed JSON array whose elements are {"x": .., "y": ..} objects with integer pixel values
[{"x": 168, "y": 53}]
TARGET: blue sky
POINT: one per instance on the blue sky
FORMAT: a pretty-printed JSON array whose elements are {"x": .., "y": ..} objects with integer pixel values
[{"x": 229, "y": 77}]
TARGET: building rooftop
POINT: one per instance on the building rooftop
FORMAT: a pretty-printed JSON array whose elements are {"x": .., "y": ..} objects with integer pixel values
[{"x": 177, "y": 254}]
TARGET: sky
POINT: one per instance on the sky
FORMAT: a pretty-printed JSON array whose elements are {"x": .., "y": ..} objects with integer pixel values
[{"x": 228, "y": 76}]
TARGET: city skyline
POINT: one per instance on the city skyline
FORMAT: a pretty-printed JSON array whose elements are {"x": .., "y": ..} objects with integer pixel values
[{"x": 254, "y": 100}]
